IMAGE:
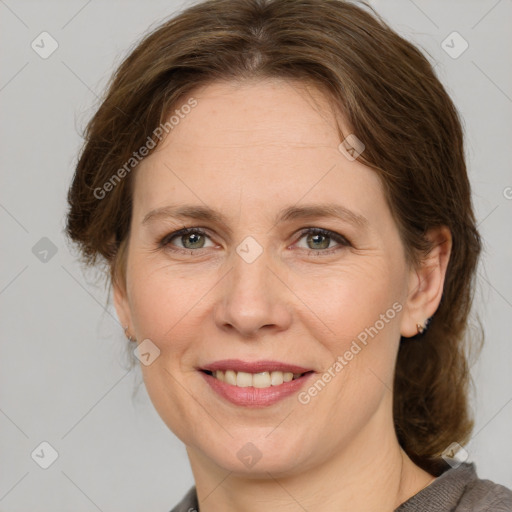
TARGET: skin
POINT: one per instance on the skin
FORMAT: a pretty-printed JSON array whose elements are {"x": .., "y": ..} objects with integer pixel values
[{"x": 248, "y": 150}]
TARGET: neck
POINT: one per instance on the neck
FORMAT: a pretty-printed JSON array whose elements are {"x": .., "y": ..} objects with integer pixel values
[{"x": 371, "y": 473}]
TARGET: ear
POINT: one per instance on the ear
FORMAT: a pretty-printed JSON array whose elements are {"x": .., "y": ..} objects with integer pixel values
[
  {"x": 122, "y": 305},
  {"x": 426, "y": 283}
]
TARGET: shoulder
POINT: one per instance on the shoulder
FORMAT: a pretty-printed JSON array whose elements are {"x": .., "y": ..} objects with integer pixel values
[
  {"x": 455, "y": 490},
  {"x": 459, "y": 489},
  {"x": 188, "y": 503},
  {"x": 485, "y": 496}
]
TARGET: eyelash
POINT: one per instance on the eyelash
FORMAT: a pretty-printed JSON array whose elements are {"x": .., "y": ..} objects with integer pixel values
[{"x": 165, "y": 242}]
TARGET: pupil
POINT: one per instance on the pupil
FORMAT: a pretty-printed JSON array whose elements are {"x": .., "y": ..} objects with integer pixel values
[
  {"x": 187, "y": 238},
  {"x": 326, "y": 240}
]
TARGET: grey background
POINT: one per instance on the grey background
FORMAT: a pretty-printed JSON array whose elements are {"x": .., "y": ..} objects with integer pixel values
[{"x": 63, "y": 376}]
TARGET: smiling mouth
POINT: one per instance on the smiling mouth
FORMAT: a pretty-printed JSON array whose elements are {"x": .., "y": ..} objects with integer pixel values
[{"x": 256, "y": 380}]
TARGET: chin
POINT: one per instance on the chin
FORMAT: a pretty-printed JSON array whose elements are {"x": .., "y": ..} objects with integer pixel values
[{"x": 259, "y": 455}]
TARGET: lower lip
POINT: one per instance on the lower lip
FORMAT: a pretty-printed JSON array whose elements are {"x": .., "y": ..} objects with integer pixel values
[{"x": 255, "y": 397}]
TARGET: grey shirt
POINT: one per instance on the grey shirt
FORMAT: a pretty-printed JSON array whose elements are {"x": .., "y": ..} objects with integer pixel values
[{"x": 455, "y": 490}]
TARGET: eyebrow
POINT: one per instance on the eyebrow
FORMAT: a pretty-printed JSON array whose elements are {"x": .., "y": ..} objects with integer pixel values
[{"x": 309, "y": 211}]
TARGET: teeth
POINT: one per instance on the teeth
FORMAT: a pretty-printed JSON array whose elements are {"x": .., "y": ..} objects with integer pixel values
[
  {"x": 257, "y": 380},
  {"x": 243, "y": 380}
]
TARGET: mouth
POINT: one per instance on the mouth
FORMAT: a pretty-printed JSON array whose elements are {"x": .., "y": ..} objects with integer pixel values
[
  {"x": 267, "y": 383},
  {"x": 263, "y": 379},
  {"x": 257, "y": 374},
  {"x": 254, "y": 384}
]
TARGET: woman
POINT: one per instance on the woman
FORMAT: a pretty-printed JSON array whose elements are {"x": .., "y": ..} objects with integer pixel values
[{"x": 279, "y": 191}]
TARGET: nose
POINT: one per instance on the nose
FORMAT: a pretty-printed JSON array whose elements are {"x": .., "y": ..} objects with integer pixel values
[{"x": 253, "y": 296}]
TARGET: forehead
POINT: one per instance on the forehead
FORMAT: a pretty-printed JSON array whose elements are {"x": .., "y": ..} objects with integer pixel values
[
  {"x": 254, "y": 113},
  {"x": 255, "y": 144}
]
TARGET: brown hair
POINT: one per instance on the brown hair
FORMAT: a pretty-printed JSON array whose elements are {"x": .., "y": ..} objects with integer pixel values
[{"x": 390, "y": 97}]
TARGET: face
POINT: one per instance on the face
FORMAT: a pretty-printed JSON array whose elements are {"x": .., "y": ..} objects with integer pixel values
[{"x": 261, "y": 276}]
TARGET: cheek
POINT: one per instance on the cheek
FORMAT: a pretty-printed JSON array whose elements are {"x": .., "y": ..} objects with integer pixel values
[
  {"x": 154, "y": 302},
  {"x": 351, "y": 297},
  {"x": 356, "y": 314},
  {"x": 166, "y": 304}
]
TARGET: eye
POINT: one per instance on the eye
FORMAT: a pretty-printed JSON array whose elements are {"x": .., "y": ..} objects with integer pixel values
[
  {"x": 320, "y": 239},
  {"x": 195, "y": 238},
  {"x": 190, "y": 238}
]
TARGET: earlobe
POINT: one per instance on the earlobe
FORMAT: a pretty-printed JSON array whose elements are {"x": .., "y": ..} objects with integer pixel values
[{"x": 426, "y": 283}]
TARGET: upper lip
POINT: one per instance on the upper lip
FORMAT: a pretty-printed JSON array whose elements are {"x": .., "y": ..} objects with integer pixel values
[{"x": 254, "y": 366}]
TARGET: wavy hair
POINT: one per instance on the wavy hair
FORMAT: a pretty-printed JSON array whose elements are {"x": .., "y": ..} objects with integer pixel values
[{"x": 391, "y": 99}]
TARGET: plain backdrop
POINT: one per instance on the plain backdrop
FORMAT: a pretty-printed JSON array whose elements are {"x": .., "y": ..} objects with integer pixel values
[{"x": 63, "y": 373}]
